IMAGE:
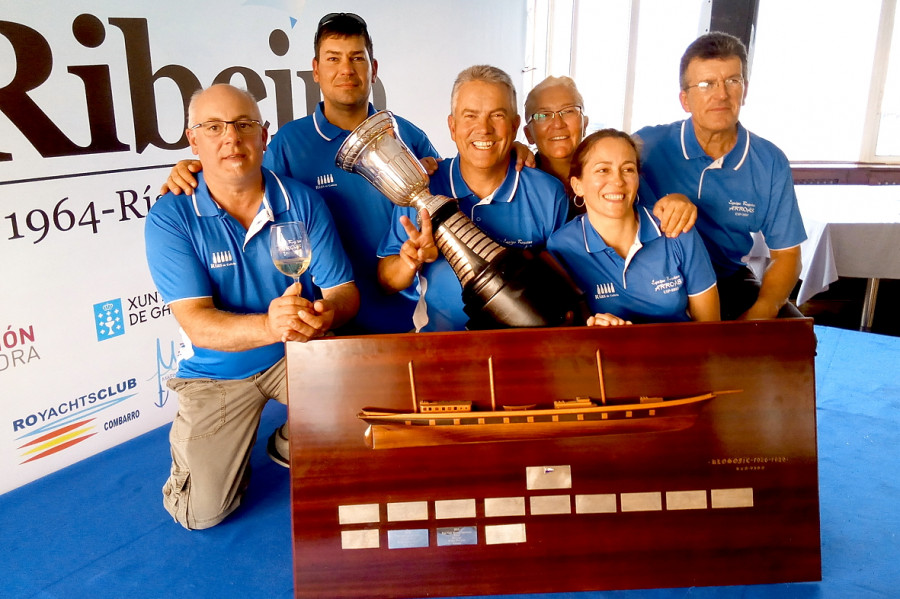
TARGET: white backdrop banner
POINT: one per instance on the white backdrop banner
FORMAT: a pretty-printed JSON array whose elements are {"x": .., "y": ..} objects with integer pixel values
[{"x": 92, "y": 110}]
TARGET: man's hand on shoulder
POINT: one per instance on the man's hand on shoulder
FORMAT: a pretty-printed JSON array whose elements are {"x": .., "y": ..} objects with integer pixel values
[
  {"x": 524, "y": 156},
  {"x": 182, "y": 178},
  {"x": 676, "y": 214},
  {"x": 430, "y": 164}
]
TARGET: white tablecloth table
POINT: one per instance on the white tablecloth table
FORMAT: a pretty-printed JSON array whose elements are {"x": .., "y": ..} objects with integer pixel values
[{"x": 853, "y": 231}]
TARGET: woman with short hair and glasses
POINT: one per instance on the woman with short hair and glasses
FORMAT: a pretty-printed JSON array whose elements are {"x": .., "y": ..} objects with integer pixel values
[{"x": 556, "y": 124}]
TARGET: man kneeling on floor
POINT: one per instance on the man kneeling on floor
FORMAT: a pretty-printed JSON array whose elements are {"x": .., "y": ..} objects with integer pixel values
[{"x": 209, "y": 258}]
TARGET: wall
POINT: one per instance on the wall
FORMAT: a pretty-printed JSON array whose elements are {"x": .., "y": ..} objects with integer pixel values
[{"x": 91, "y": 118}]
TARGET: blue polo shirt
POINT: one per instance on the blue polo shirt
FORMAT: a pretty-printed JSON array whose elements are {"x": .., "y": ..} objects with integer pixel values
[
  {"x": 748, "y": 190},
  {"x": 522, "y": 212},
  {"x": 651, "y": 284},
  {"x": 195, "y": 249},
  {"x": 305, "y": 150}
]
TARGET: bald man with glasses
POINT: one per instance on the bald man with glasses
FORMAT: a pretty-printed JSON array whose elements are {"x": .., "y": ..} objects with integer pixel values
[{"x": 209, "y": 258}]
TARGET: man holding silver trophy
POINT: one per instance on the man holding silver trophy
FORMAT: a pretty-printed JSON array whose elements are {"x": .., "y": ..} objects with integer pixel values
[{"x": 516, "y": 209}]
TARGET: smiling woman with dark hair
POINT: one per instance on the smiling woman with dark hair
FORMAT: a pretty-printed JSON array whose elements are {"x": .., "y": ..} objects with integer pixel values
[{"x": 616, "y": 252}]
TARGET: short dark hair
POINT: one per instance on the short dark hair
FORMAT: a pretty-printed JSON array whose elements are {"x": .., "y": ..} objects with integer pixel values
[
  {"x": 714, "y": 45},
  {"x": 577, "y": 167},
  {"x": 342, "y": 24}
]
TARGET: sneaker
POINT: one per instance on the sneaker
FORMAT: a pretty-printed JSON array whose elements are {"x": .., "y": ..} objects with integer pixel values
[{"x": 278, "y": 447}]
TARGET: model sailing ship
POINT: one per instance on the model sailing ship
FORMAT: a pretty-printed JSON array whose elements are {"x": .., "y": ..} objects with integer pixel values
[{"x": 448, "y": 422}]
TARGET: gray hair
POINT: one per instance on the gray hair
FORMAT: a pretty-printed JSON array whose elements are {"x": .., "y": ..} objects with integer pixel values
[
  {"x": 193, "y": 102},
  {"x": 488, "y": 74},
  {"x": 713, "y": 46},
  {"x": 551, "y": 81}
]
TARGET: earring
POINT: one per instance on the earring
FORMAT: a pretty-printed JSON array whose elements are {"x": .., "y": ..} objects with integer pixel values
[{"x": 575, "y": 201}]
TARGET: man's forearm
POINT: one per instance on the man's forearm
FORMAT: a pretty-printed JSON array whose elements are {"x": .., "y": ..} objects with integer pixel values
[
  {"x": 215, "y": 329},
  {"x": 394, "y": 274},
  {"x": 777, "y": 284},
  {"x": 345, "y": 300}
]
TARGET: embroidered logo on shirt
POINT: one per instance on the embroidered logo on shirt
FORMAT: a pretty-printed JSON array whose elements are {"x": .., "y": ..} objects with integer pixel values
[
  {"x": 667, "y": 285},
  {"x": 741, "y": 208},
  {"x": 222, "y": 259},
  {"x": 605, "y": 290},
  {"x": 323, "y": 181},
  {"x": 516, "y": 243}
]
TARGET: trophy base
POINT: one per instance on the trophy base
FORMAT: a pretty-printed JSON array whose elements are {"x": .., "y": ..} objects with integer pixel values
[{"x": 522, "y": 289}]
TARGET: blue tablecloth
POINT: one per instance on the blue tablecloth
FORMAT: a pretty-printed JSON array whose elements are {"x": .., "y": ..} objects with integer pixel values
[{"x": 97, "y": 529}]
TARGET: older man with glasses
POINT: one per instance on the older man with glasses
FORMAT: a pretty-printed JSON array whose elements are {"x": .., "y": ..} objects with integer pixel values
[
  {"x": 742, "y": 184},
  {"x": 210, "y": 260}
]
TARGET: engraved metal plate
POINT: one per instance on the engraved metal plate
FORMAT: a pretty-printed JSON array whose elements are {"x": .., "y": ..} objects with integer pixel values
[
  {"x": 548, "y": 477},
  {"x": 641, "y": 502},
  {"x": 406, "y": 539},
  {"x": 551, "y": 504},
  {"x": 495, "y": 507},
  {"x": 596, "y": 504},
  {"x": 358, "y": 514},
  {"x": 686, "y": 500},
  {"x": 504, "y": 533},
  {"x": 457, "y": 535},
  {"x": 407, "y": 510},
  {"x": 359, "y": 539},
  {"x": 454, "y": 508},
  {"x": 722, "y": 498}
]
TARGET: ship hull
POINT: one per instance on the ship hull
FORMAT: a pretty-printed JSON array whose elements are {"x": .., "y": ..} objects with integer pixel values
[{"x": 389, "y": 431}]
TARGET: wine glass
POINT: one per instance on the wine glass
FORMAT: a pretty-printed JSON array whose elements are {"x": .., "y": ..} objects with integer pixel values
[{"x": 290, "y": 249}]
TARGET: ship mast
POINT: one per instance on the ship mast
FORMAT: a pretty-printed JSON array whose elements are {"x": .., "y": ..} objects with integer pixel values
[
  {"x": 412, "y": 388},
  {"x": 491, "y": 377},
  {"x": 600, "y": 375}
]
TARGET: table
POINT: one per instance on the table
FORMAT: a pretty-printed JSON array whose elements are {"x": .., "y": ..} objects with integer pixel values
[{"x": 852, "y": 231}]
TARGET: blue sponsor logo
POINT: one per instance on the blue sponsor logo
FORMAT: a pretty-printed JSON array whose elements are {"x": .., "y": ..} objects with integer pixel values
[{"x": 109, "y": 319}]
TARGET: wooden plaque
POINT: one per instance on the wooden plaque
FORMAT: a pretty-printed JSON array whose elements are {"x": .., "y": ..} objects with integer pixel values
[{"x": 681, "y": 455}]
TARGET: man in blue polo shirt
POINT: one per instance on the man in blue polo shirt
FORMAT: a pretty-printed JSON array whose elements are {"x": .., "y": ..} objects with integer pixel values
[
  {"x": 209, "y": 258},
  {"x": 517, "y": 209},
  {"x": 741, "y": 183},
  {"x": 304, "y": 149}
]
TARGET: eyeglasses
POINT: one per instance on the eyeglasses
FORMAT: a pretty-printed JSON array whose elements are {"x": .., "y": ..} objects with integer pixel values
[
  {"x": 544, "y": 118},
  {"x": 731, "y": 84},
  {"x": 217, "y": 128}
]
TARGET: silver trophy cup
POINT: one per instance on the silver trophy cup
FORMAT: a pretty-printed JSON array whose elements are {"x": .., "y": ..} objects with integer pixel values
[{"x": 502, "y": 287}]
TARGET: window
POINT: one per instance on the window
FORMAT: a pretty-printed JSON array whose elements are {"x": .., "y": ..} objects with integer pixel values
[
  {"x": 824, "y": 74},
  {"x": 808, "y": 93}
]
